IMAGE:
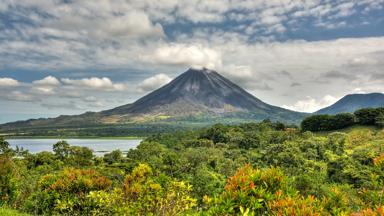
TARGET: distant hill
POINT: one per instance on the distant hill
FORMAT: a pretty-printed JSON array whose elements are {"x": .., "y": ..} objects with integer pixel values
[
  {"x": 353, "y": 102},
  {"x": 195, "y": 95}
]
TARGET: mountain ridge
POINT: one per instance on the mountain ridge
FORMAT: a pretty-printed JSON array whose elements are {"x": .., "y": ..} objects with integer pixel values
[{"x": 353, "y": 102}]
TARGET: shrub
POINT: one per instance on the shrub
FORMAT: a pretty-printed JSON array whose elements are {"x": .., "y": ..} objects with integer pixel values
[
  {"x": 141, "y": 194},
  {"x": 250, "y": 189},
  {"x": 80, "y": 156},
  {"x": 65, "y": 192},
  {"x": 113, "y": 157},
  {"x": 8, "y": 187},
  {"x": 61, "y": 149}
]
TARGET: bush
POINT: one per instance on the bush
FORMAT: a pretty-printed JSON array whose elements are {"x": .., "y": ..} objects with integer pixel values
[
  {"x": 66, "y": 192},
  {"x": 8, "y": 187},
  {"x": 142, "y": 194},
  {"x": 61, "y": 149},
  {"x": 80, "y": 156},
  {"x": 250, "y": 189},
  {"x": 113, "y": 157}
]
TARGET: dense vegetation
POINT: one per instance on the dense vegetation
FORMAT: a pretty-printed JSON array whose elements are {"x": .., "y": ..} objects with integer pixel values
[
  {"x": 249, "y": 169},
  {"x": 367, "y": 116}
]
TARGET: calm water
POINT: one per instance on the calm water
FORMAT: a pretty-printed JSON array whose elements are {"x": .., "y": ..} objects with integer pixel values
[{"x": 99, "y": 146}]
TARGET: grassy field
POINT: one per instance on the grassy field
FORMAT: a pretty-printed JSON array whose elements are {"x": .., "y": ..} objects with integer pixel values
[
  {"x": 351, "y": 129},
  {"x": 10, "y": 212}
]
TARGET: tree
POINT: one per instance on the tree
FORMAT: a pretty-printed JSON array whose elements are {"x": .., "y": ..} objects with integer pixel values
[
  {"x": 4, "y": 146},
  {"x": 80, "y": 156},
  {"x": 343, "y": 120},
  {"x": 379, "y": 121},
  {"x": 217, "y": 133},
  {"x": 327, "y": 122},
  {"x": 7, "y": 180},
  {"x": 316, "y": 123},
  {"x": 61, "y": 149},
  {"x": 113, "y": 157},
  {"x": 368, "y": 116}
]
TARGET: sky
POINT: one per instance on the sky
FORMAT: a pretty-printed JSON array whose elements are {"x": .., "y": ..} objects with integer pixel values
[{"x": 63, "y": 57}]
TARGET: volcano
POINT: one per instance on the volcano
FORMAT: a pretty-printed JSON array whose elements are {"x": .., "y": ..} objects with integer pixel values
[
  {"x": 200, "y": 92},
  {"x": 192, "y": 96}
]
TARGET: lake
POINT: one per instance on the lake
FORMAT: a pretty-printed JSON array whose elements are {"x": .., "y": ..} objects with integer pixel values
[{"x": 99, "y": 146}]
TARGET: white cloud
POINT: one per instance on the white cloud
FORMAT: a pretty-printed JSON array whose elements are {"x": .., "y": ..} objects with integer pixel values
[
  {"x": 47, "y": 81},
  {"x": 194, "y": 55},
  {"x": 103, "y": 83},
  {"x": 310, "y": 104},
  {"x": 130, "y": 24},
  {"x": 45, "y": 86},
  {"x": 362, "y": 61},
  {"x": 154, "y": 82},
  {"x": 19, "y": 96},
  {"x": 108, "y": 35},
  {"x": 8, "y": 82},
  {"x": 43, "y": 90}
]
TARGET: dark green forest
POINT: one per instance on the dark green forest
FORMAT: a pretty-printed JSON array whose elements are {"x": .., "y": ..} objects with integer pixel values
[
  {"x": 261, "y": 168},
  {"x": 366, "y": 116}
]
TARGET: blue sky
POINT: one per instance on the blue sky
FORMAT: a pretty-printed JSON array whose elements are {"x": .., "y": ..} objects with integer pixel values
[{"x": 68, "y": 57}]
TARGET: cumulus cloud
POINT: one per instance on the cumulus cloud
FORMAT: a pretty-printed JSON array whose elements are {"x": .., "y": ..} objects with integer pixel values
[
  {"x": 43, "y": 90},
  {"x": 194, "y": 55},
  {"x": 8, "y": 82},
  {"x": 45, "y": 86},
  {"x": 131, "y": 24},
  {"x": 310, "y": 104},
  {"x": 154, "y": 82},
  {"x": 47, "y": 81},
  {"x": 103, "y": 83},
  {"x": 250, "y": 42}
]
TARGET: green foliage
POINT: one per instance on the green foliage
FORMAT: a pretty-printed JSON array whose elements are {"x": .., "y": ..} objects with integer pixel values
[
  {"x": 80, "y": 156},
  {"x": 66, "y": 192},
  {"x": 379, "y": 120},
  {"x": 8, "y": 186},
  {"x": 249, "y": 188},
  {"x": 248, "y": 169},
  {"x": 4, "y": 145},
  {"x": 61, "y": 149},
  {"x": 368, "y": 116},
  {"x": 113, "y": 157},
  {"x": 142, "y": 194},
  {"x": 327, "y": 122},
  {"x": 10, "y": 212}
]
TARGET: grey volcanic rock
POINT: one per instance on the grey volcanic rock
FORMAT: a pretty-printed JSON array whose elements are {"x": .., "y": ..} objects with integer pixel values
[
  {"x": 353, "y": 102},
  {"x": 197, "y": 91}
]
